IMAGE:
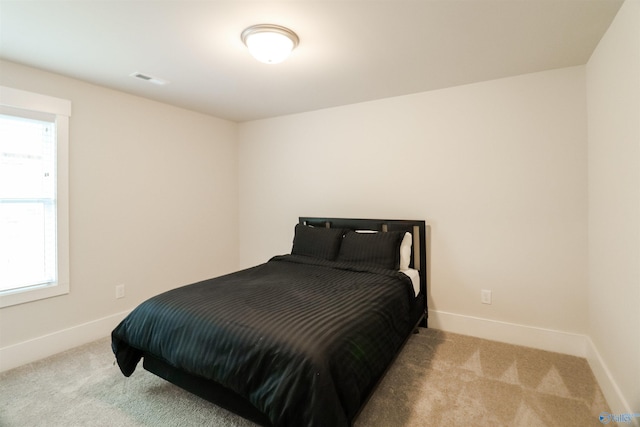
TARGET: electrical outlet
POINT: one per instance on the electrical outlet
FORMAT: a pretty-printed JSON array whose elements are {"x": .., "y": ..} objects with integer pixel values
[
  {"x": 120, "y": 291},
  {"x": 485, "y": 296}
]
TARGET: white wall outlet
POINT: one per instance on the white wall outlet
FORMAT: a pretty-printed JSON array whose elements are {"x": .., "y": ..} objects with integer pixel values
[
  {"x": 485, "y": 296},
  {"x": 120, "y": 291}
]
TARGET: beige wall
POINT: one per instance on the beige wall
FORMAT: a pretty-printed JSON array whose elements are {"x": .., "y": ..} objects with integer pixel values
[
  {"x": 613, "y": 94},
  {"x": 498, "y": 169},
  {"x": 153, "y": 203}
]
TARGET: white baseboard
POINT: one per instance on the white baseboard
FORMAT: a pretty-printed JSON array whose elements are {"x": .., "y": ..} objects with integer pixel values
[
  {"x": 512, "y": 333},
  {"x": 617, "y": 403},
  {"x": 38, "y": 348}
]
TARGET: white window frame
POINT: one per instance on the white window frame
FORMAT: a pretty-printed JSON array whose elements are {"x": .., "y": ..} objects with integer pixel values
[{"x": 61, "y": 108}]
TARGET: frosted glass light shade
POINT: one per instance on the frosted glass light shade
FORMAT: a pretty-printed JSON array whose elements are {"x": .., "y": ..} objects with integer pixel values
[{"x": 268, "y": 43}]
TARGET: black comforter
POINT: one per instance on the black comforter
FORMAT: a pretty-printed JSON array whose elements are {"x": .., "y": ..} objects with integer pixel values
[{"x": 304, "y": 340}]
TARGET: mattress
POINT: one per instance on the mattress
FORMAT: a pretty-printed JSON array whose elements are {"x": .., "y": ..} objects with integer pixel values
[{"x": 414, "y": 275}]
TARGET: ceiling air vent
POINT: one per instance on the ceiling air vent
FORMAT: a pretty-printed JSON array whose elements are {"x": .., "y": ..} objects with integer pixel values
[{"x": 150, "y": 79}]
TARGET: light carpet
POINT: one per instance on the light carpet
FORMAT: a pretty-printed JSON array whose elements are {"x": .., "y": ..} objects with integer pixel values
[{"x": 439, "y": 379}]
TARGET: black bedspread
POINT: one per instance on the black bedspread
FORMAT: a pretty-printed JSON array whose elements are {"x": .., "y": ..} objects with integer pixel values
[{"x": 304, "y": 340}]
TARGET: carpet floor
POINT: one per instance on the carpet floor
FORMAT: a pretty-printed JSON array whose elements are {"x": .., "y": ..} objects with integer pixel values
[{"x": 439, "y": 379}]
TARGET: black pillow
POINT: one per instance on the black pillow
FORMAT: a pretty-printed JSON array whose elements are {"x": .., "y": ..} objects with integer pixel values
[
  {"x": 376, "y": 249},
  {"x": 318, "y": 242}
]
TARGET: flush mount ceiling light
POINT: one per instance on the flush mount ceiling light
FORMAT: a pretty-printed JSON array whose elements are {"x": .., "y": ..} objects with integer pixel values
[{"x": 269, "y": 43}]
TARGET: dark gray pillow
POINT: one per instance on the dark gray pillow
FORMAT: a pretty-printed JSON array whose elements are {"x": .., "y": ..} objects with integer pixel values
[
  {"x": 376, "y": 249},
  {"x": 318, "y": 242}
]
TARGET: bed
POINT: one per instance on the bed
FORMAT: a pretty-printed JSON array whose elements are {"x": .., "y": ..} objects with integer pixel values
[{"x": 301, "y": 340}]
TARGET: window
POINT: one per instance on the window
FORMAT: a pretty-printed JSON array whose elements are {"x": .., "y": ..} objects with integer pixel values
[{"x": 34, "y": 237}]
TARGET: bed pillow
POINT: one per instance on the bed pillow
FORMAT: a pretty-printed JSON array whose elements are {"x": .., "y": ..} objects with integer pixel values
[
  {"x": 405, "y": 248},
  {"x": 376, "y": 249},
  {"x": 318, "y": 242},
  {"x": 405, "y": 251}
]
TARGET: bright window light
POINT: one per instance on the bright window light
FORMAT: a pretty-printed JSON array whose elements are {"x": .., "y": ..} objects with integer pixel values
[{"x": 34, "y": 200}]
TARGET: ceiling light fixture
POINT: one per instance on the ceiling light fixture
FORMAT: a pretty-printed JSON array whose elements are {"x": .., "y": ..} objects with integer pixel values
[{"x": 269, "y": 43}]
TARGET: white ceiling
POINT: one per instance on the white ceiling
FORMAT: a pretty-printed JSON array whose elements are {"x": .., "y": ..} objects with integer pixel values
[{"x": 350, "y": 50}]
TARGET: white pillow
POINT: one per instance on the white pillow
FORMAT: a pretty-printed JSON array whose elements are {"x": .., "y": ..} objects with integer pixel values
[{"x": 405, "y": 251}]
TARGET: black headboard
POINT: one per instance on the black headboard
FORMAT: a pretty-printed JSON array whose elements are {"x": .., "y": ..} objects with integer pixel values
[{"x": 416, "y": 228}]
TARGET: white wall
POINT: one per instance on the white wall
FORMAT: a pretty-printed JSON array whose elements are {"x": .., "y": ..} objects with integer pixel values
[
  {"x": 498, "y": 169},
  {"x": 153, "y": 205},
  {"x": 613, "y": 94}
]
